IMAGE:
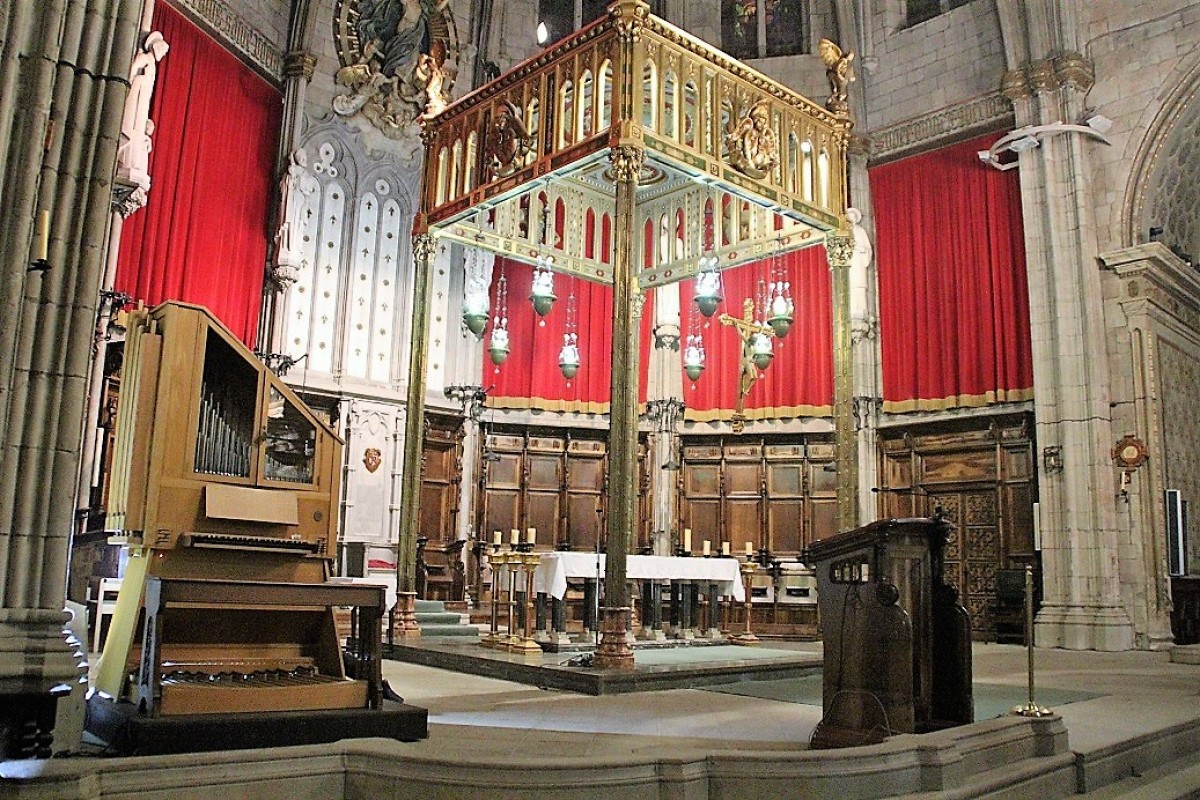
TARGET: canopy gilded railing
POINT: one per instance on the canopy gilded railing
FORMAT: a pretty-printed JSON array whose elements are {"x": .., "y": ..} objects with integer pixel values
[{"x": 742, "y": 164}]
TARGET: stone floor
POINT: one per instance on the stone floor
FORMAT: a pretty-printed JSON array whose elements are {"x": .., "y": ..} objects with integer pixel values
[{"x": 1128, "y": 695}]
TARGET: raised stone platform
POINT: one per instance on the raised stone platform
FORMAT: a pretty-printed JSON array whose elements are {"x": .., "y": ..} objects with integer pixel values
[
  {"x": 126, "y": 732},
  {"x": 656, "y": 666}
]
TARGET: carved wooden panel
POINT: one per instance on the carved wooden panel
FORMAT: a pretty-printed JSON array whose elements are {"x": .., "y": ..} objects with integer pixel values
[
  {"x": 552, "y": 480},
  {"x": 441, "y": 476},
  {"x": 772, "y": 492},
  {"x": 981, "y": 473}
]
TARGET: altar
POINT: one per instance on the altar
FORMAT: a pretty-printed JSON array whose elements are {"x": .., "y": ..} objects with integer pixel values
[{"x": 554, "y": 569}]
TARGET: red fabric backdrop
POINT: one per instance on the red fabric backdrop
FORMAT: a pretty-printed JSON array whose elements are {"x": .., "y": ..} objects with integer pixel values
[
  {"x": 203, "y": 236},
  {"x": 799, "y": 380},
  {"x": 530, "y": 378},
  {"x": 954, "y": 307}
]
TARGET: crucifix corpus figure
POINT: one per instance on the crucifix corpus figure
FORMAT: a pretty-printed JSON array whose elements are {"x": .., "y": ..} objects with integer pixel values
[{"x": 755, "y": 342}]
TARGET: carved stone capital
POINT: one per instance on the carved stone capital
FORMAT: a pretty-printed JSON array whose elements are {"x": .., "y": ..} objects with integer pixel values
[
  {"x": 1014, "y": 86},
  {"x": 285, "y": 274},
  {"x": 629, "y": 17},
  {"x": 839, "y": 250},
  {"x": 636, "y": 304},
  {"x": 423, "y": 246},
  {"x": 128, "y": 198},
  {"x": 299, "y": 64},
  {"x": 627, "y": 162},
  {"x": 864, "y": 328},
  {"x": 1075, "y": 70},
  {"x": 1068, "y": 70},
  {"x": 1041, "y": 77}
]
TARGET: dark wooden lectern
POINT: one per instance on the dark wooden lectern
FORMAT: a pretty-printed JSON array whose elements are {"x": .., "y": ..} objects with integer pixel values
[{"x": 897, "y": 641}]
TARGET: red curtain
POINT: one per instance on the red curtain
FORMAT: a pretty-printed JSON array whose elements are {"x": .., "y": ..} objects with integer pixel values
[
  {"x": 203, "y": 236},
  {"x": 954, "y": 307},
  {"x": 799, "y": 380},
  {"x": 530, "y": 377}
]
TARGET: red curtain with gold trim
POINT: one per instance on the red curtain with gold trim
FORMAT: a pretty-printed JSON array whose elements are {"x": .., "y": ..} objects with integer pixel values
[
  {"x": 799, "y": 380},
  {"x": 530, "y": 377},
  {"x": 954, "y": 305},
  {"x": 203, "y": 236}
]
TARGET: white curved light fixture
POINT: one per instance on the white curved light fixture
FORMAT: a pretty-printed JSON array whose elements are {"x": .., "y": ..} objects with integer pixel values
[{"x": 1031, "y": 136}]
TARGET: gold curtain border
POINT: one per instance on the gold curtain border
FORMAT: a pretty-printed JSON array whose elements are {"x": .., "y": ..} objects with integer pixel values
[{"x": 957, "y": 401}]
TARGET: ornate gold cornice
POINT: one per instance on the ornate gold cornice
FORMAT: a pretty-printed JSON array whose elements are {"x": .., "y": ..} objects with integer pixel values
[{"x": 629, "y": 17}]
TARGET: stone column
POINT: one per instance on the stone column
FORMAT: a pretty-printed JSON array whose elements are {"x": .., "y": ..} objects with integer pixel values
[
  {"x": 839, "y": 249},
  {"x": 866, "y": 362},
  {"x": 665, "y": 414},
  {"x": 64, "y": 78},
  {"x": 1152, "y": 307},
  {"x": 1081, "y": 606},
  {"x": 298, "y": 69}
]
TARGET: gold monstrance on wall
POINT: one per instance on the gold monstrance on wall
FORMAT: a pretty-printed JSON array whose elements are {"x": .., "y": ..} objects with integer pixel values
[{"x": 644, "y": 124}]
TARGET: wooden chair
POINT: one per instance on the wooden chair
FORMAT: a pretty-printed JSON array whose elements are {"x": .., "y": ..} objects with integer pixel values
[{"x": 440, "y": 571}]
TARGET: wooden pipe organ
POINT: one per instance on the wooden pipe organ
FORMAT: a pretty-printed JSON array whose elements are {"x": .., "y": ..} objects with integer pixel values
[{"x": 225, "y": 492}]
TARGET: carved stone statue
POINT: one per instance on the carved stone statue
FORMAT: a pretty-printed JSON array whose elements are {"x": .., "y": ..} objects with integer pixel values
[
  {"x": 296, "y": 188},
  {"x": 863, "y": 251},
  {"x": 431, "y": 71},
  {"x": 507, "y": 140},
  {"x": 752, "y": 144},
  {"x": 860, "y": 261},
  {"x": 133, "y": 152},
  {"x": 388, "y": 77},
  {"x": 838, "y": 68}
]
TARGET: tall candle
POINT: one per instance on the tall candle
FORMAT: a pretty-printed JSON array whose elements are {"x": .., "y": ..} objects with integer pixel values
[
  {"x": 724, "y": 548},
  {"x": 43, "y": 235},
  {"x": 497, "y": 538},
  {"x": 707, "y": 547},
  {"x": 687, "y": 540},
  {"x": 514, "y": 537},
  {"x": 749, "y": 549},
  {"x": 531, "y": 536}
]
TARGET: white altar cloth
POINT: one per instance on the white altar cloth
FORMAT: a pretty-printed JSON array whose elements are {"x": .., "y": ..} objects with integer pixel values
[{"x": 554, "y": 569}]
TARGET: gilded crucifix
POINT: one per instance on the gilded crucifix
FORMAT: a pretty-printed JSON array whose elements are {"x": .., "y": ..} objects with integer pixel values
[{"x": 756, "y": 354}]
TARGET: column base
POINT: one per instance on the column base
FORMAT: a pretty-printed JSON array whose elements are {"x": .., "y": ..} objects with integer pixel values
[
  {"x": 1103, "y": 628},
  {"x": 43, "y": 669},
  {"x": 406, "y": 616},
  {"x": 651, "y": 635},
  {"x": 526, "y": 647},
  {"x": 745, "y": 639},
  {"x": 614, "y": 651}
]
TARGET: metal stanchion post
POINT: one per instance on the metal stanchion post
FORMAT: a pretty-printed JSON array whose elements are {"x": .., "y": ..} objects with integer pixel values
[{"x": 1030, "y": 709}]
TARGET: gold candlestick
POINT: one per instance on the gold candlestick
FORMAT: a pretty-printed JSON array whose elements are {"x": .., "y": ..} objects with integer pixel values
[
  {"x": 746, "y": 637},
  {"x": 497, "y": 563},
  {"x": 512, "y": 638},
  {"x": 526, "y": 644}
]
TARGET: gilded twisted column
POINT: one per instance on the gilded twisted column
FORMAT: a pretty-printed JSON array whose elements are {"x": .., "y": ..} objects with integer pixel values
[
  {"x": 838, "y": 251},
  {"x": 614, "y": 651},
  {"x": 424, "y": 248}
]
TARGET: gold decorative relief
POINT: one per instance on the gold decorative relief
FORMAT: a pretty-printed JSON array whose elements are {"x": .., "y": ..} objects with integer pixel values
[
  {"x": 507, "y": 140},
  {"x": 752, "y": 145}
]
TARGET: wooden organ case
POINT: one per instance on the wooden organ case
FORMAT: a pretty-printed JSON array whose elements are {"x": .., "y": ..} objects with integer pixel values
[{"x": 225, "y": 492}]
